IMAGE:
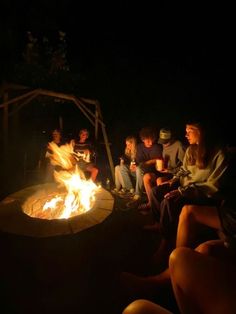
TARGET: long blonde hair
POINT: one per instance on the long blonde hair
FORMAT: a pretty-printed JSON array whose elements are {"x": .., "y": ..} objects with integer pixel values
[{"x": 131, "y": 152}]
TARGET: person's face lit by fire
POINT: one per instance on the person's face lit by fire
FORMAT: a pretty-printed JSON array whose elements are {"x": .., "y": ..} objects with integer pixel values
[
  {"x": 56, "y": 136},
  {"x": 192, "y": 134},
  {"x": 148, "y": 142},
  {"x": 83, "y": 136},
  {"x": 129, "y": 144}
]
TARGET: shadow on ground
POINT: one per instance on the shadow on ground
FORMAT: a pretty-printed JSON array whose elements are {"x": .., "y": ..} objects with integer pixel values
[{"x": 75, "y": 273}]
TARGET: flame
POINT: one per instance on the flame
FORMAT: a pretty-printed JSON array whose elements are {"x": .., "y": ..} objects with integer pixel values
[
  {"x": 62, "y": 155},
  {"x": 80, "y": 193}
]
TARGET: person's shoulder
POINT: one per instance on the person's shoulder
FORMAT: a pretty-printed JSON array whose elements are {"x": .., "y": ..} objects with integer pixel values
[
  {"x": 179, "y": 144},
  {"x": 221, "y": 150}
]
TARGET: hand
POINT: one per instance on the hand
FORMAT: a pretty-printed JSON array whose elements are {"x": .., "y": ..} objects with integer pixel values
[
  {"x": 162, "y": 181},
  {"x": 172, "y": 194}
]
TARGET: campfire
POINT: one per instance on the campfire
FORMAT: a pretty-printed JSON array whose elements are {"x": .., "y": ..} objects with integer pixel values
[
  {"x": 75, "y": 194},
  {"x": 67, "y": 206}
]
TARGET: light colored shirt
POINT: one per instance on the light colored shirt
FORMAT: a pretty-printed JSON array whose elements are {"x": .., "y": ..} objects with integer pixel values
[{"x": 206, "y": 181}]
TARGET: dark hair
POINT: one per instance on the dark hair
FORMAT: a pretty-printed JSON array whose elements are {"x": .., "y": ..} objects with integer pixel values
[{"x": 148, "y": 133}]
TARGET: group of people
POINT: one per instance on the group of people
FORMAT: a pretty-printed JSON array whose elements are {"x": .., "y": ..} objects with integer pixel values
[
  {"x": 189, "y": 193},
  {"x": 83, "y": 153},
  {"x": 139, "y": 166}
]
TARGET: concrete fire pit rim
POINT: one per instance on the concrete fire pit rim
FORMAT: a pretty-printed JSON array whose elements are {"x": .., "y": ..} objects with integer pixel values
[{"x": 14, "y": 220}]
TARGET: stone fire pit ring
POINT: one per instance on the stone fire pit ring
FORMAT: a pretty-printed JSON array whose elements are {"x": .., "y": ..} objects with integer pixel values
[{"x": 14, "y": 220}]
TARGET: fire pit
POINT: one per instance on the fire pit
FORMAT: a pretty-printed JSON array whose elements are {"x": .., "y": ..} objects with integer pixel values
[{"x": 20, "y": 213}]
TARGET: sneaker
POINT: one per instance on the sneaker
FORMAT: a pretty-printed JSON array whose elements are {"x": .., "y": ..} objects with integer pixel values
[
  {"x": 136, "y": 197},
  {"x": 115, "y": 191},
  {"x": 122, "y": 191}
]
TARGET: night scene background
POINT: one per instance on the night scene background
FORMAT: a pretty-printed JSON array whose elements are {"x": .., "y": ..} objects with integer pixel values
[{"x": 147, "y": 65}]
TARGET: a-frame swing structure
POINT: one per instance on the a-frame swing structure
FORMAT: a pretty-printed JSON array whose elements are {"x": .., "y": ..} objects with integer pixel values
[{"x": 90, "y": 109}]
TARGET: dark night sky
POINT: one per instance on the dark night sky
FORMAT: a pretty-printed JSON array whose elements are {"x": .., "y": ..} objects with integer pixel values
[{"x": 146, "y": 64}]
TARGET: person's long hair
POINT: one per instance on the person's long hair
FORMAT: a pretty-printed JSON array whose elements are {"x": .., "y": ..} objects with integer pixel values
[
  {"x": 202, "y": 153},
  {"x": 131, "y": 152}
]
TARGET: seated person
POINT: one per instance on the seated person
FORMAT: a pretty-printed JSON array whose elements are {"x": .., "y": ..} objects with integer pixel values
[
  {"x": 172, "y": 159},
  {"x": 123, "y": 173},
  {"x": 201, "y": 283},
  {"x": 199, "y": 181},
  {"x": 56, "y": 138},
  {"x": 203, "y": 279},
  {"x": 147, "y": 153},
  {"x": 84, "y": 154}
]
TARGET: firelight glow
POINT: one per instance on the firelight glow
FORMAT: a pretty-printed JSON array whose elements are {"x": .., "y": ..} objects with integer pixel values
[{"x": 80, "y": 193}]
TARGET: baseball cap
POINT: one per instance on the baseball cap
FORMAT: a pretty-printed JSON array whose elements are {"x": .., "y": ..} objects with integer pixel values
[{"x": 164, "y": 136}]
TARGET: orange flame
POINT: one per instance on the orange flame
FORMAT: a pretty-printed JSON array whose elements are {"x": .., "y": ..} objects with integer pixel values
[{"x": 80, "y": 195}]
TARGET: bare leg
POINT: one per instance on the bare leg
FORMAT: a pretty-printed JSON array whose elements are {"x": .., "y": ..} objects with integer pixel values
[
  {"x": 216, "y": 248},
  {"x": 94, "y": 172},
  {"x": 191, "y": 218},
  {"x": 149, "y": 182},
  {"x": 201, "y": 283},
  {"x": 144, "y": 307}
]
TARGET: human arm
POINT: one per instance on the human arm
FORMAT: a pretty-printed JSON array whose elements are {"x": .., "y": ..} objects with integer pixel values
[{"x": 208, "y": 181}]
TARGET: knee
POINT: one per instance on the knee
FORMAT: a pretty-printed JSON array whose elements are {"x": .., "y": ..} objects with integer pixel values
[
  {"x": 117, "y": 168},
  {"x": 177, "y": 261},
  {"x": 186, "y": 213},
  {"x": 123, "y": 169},
  {"x": 139, "y": 171},
  {"x": 158, "y": 181},
  {"x": 146, "y": 177},
  {"x": 205, "y": 248},
  {"x": 142, "y": 307},
  {"x": 175, "y": 255}
]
